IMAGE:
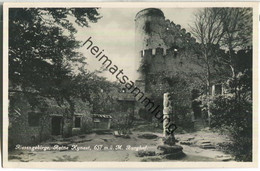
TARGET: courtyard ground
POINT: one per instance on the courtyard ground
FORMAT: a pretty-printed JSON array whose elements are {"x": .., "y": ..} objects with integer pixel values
[{"x": 197, "y": 146}]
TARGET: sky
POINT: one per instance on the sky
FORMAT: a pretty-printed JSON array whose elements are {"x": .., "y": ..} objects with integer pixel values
[{"x": 115, "y": 33}]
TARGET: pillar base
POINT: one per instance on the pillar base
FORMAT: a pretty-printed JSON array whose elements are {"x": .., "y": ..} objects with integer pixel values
[
  {"x": 171, "y": 152},
  {"x": 169, "y": 140}
]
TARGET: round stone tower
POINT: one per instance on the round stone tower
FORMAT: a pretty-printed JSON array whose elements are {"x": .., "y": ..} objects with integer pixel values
[
  {"x": 149, "y": 26},
  {"x": 149, "y": 29}
]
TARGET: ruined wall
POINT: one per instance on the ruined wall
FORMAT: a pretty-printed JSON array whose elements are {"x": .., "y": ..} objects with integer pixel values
[
  {"x": 83, "y": 109},
  {"x": 167, "y": 60},
  {"x": 160, "y": 68},
  {"x": 19, "y": 130}
]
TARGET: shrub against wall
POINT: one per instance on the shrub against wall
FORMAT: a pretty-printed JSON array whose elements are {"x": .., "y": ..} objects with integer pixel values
[
  {"x": 236, "y": 117},
  {"x": 233, "y": 112}
]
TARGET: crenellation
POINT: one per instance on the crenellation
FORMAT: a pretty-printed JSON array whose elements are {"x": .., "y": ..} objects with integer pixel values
[
  {"x": 173, "y": 27},
  {"x": 153, "y": 52},
  {"x": 178, "y": 27},
  {"x": 142, "y": 53},
  {"x": 147, "y": 52},
  {"x": 164, "y": 52},
  {"x": 173, "y": 24},
  {"x": 161, "y": 42},
  {"x": 183, "y": 31},
  {"x": 168, "y": 22},
  {"x": 159, "y": 51},
  {"x": 188, "y": 35}
]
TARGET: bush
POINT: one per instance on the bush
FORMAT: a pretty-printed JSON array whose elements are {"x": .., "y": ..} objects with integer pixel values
[
  {"x": 122, "y": 122},
  {"x": 236, "y": 117},
  {"x": 233, "y": 112}
]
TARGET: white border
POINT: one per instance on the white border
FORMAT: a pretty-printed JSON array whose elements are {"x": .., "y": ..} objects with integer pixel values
[{"x": 174, "y": 164}]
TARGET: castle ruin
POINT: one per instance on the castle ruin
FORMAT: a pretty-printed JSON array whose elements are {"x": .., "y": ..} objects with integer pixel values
[{"x": 166, "y": 54}]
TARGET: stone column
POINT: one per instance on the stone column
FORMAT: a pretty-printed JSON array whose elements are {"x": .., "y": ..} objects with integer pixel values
[
  {"x": 169, "y": 149},
  {"x": 167, "y": 108},
  {"x": 109, "y": 123}
]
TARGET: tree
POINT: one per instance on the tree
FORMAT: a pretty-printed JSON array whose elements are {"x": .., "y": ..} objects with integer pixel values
[
  {"x": 237, "y": 28},
  {"x": 207, "y": 29},
  {"x": 43, "y": 51},
  {"x": 219, "y": 30},
  {"x": 238, "y": 37},
  {"x": 229, "y": 29},
  {"x": 233, "y": 111}
]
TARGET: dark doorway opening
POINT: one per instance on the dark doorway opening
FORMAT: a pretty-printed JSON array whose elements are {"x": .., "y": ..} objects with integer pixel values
[
  {"x": 56, "y": 125},
  {"x": 196, "y": 104},
  {"x": 77, "y": 122}
]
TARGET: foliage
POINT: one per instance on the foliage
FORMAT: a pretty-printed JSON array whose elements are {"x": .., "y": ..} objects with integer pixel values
[
  {"x": 219, "y": 29},
  {"x": 233, "y": 111},
  {"x": 237, "y": 27},
  {"x": 208, "y": 31},
  {"x": 229, "y": 29},
  {"x": 43, "y": 53},
  {"x": 180, "y": 88},
  {"x": 144, "y": 67},
  {"x": 155, "y": 127},
  {"x": 237, "y": 117},
  {"x": 122, "y": 122},
  {"x": 43, "y": 59}
]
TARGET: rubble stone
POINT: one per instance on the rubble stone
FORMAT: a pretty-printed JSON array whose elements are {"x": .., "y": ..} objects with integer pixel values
[
  {"x": 143, "y": 153},
  {"x": 166, "y": 149},
  {"x": 169, "y": 140},
  {"x": 186, "y": 142},
  {"x": 148, "y": 136}
]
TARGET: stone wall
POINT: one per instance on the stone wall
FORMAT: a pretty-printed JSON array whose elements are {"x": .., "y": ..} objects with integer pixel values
[
  {"x": 164, "y": 49},
  {"x": 20, "y": 132},
  {"x": 168, "y": 60}
]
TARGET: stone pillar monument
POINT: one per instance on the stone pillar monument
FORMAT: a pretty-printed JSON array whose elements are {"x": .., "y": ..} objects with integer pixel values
[
  {"x": 169, "y": 149},
  {"x": 167, "y": 109}
]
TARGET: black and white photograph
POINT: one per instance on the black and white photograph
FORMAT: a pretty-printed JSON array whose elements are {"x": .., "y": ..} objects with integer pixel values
[{"x": 157, "y": 83}]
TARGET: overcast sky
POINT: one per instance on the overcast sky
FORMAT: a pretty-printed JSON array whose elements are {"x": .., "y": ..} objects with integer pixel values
[{"x": 115, "y": 33}]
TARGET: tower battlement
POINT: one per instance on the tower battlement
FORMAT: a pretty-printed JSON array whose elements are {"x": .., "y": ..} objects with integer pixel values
[
  {"x": 154, "y": 31},
  {"x": 158, "y": 52},
  {"x": 161, "y": 43}
]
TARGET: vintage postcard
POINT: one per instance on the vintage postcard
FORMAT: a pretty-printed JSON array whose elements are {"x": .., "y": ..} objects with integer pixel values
[{"x": 130, "y": 85}]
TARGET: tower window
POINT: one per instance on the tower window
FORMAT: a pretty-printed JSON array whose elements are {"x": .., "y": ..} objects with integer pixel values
[{"x": 147, "y": 27}]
